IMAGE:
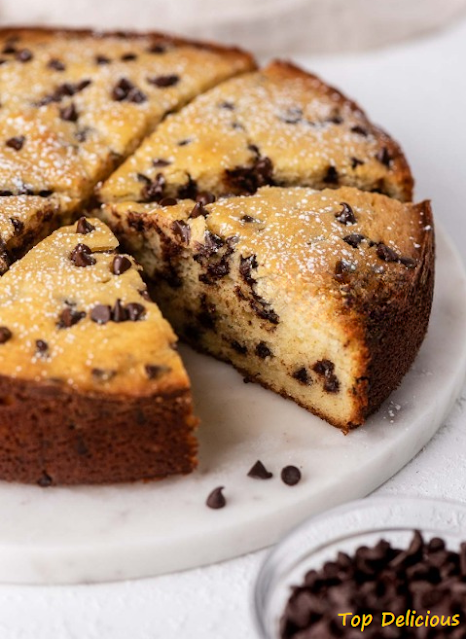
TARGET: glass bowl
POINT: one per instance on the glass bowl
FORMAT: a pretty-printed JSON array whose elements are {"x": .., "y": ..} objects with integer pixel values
[{"x": 358, "y": 523}]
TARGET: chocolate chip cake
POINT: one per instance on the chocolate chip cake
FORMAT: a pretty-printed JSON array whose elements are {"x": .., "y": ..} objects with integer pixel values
[
  {"x": 269, "y": 216},
  {"x": 92, "y": 389},
  {"x": 322, "y": 296},
  {"x": 81, "y": 101},
  {"x": 277, "y": 126}
]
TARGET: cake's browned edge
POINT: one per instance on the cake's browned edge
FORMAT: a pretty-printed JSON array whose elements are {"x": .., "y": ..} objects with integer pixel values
[
  {"x": 162, "y": 38},
  {"x": 399, "y": 163},
  {"x": 50, "y": 434},
  {"x": 396, "y": 325}
]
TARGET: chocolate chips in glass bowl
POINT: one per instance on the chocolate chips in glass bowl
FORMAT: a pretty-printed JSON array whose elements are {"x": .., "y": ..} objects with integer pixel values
[{"x": 382, "y": 591}]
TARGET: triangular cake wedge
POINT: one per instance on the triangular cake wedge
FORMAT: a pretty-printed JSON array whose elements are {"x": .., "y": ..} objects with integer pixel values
[
  {"x": 279, "y": 126},
  {"x": 92, "y": 389},
  {"x": 323, "y": 297},
  {"x": 75, "y": 103},
  {"x": 25, "y": 220}
]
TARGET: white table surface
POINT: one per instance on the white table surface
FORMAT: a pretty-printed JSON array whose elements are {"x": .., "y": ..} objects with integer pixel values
[{"x": 418, "y": 93}]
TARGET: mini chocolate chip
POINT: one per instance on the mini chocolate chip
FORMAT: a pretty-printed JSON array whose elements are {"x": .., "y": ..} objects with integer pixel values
[
  {"x": 102, "y": 374},
  {"x": 154, "y": 371},
  {"x": 346, "y": 215},
  {"x": 198, "y": 210},
  {"x": 163, "y": 81},
  {"x": 239, "y": 348},
  {"x": 157, "y": 48},
  {"x": 384, "y": 157},
  {"x": 182, "y": 231},
  {"x": 168, "y": 201},
  {"x": 119, "y": 312},
  {"x": 84, "y": 226},
  {"x": 9, "y": 48},
  {"x": 359, "y": 130},
  {"x": 17, "y": 225},
  {"x": 56, "y": 65},
  {"x": 5, "y": 334},
  {"x": 81, "y": 255},
  {"x": 45, "y": 481},
  {"x": 302, "y": 376},
  {"x": 102, "y": 59},
  {"x": 227, "y": 105},
  {"x": 354, "y": 239},
  {"x": 331, "y": 177},
  {"x": 343, "y": 270},
  {"x": 385, "y": 253},
  {"x": 325, "y": 368},
  {"x": 41, "y": 347},
  {"x": 291, "y": 475},
  {"x": 16, "y": 143},
  {"x": 129, "y": 57},
  {"x": 205, "y": 197},
  {"x": 292, "y": 115},
  {"x": 144, "y": 293},
  {"x": 216, "y": 499},
  {"x": 409, "y": 262},
  {"x": 152, "y": 191},
  {"x": 355, "y": 162},
  {"x": 263, "y": 351},
  {"x": 259, "y": 471},
  {"x": 69, "y": 317},
  {"x": 126, "y": 90},
  {"x": 160, "y": 162},
  {"x": 135, "y": 311},
  {"x": 101, "y": 314},
  {"x": 24, "y": 55},
  {"x": 120, "y": 264},
  {"x": 69, "y": 113},
  {"x": 184, "y": 142},
  {"x": 248, "y": 219}
]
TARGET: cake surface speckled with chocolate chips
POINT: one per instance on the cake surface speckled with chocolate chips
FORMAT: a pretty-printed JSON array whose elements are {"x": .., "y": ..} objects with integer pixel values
[
  {"x": 277, "y": 126},
  {"x": 323, "y": 296},
  {"x": 92, "y": 389}
]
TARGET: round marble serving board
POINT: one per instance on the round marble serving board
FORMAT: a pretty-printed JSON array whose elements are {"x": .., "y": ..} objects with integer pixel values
[{"x": 91, "y": 534}]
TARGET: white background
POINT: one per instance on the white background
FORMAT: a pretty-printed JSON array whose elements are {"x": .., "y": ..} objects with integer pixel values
[{"x": 418, "y": 93}]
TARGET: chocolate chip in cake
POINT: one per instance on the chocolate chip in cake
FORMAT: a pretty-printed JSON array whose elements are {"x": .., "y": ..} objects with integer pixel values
[
  {"x": 326, "y": 368},
  {"x": 160, "y": 162},
  {"x": 24, "y": 55},
  {"x": 263, "y": 351},
  {"x": 198, "y": 210},
  {"x": 16, "y": 143},
  {"x": 153, "y": 190},
  {"x": 163, "y": 81},
  {"x": 168, "y": 201},
  {"x": 216, "y": 499},
  {"x": 343, "y": 271},
  {"x": 292, "y": 115},
  {"x": 205, "y": 197},
  {"x": 135, "y": 311},
  {"x": 239, "y": 348},
  {"x": 101, "y": 314},
  {"x": 157, "y": 48},
  {"x": 45, "y": 481},
  {"x": 69, "y": 317},
  {"x": 119, "y": 312},
  {"x": 354, "y": 239},
  {"x": 102, "y": 59},
  {"x": 409, "y": 262},
  {"x": 41, "y": 347},
  {"x": 346, "y": 215},
  {"x": 246, "y": 265},
  {"x": 355, "y": 162},
  {"x": 17, "y": 225},
  {"x": 81, "y": 255},
  {"x": 302, "y": 376},
  {"x": 259, "y": 471},
  {"x": 229, "y": 106},
  {"x": 359, "y": 130},
  {"x": 184, "y": 142},
  {"x": 84, "y": 226},
  {"x": 291, "y": 475},
  {"x": 56, "y": 64},
  {"x": 384, "y": 157},
  {"x": 386, "y": 253},
  {"x": 129, "y": 57},
  {"x": 102, "y": 374},
  {"x": 126, "y": 90},
  {"x": 188, "y": 190},
  {"x": 120, "y": 264},
  {"x": 182, "y": 231},
  {"x": 331, "y": 177},
  {"x": 248, "y": 219},
  {"x": 9, "y": 48},
  {"x": 5, "y": 334},
  {"x": 69, "y": 113},
  {"x": 154, "y": 371}
]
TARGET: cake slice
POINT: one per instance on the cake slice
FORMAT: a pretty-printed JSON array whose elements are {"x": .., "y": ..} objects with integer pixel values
[
  {"x": 92, "y": 389},
  {"x": 323, "y": 297},
  {"x": 25, "y": 220},
  {"x": 278, "y": 126},
  {"x": 75, "y": 103}
]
